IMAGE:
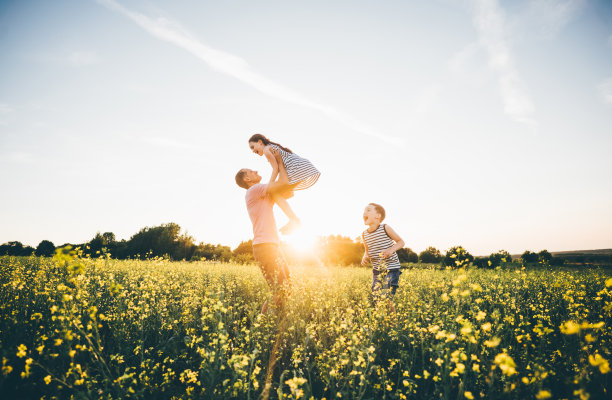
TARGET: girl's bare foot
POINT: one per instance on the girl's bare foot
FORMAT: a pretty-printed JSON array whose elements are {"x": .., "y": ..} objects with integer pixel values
[{"x": 290, "y": 227}]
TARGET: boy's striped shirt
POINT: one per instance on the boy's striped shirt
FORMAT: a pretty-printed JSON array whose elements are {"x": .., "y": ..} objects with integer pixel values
[{"x": 375, "y": 243}]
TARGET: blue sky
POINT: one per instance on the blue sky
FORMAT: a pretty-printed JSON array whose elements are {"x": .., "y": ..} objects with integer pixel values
[{"x": 481, "y": 123}]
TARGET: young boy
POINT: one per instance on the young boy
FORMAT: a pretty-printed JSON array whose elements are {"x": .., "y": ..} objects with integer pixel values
[{"x": 381, "y": 243}]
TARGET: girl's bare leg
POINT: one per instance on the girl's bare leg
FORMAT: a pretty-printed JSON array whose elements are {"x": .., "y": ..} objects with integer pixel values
[
  {"x": 281, "y": 190},
  {"x": 279, "y": 193}
]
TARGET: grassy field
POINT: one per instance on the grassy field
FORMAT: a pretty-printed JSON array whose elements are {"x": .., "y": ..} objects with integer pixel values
[{"x": 158, "y": 329}]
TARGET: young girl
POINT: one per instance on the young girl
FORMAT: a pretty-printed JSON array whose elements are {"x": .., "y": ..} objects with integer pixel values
[{"x": 293, "y": 173}]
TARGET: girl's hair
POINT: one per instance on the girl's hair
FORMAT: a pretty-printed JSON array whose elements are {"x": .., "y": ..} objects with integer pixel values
[{"x": 258, "y": 136}]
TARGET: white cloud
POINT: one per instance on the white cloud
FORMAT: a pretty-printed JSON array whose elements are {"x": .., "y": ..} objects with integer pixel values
[
  {"x": 5, "y": 110},
  {"x": 229, "y": 64},
  {"x": 165, "y": 142},
  {"x": 605, "y": 89},
  {"x": 460, "y": 59},
  {"x": 83, "y": 58},
  {"x": 550, "y": 16},
  {"x": 428, "y": 97},
  {"x": 19, "y": 157},
  {"x": 489, "y": 22},
  {"x": 74, "y": 59}
]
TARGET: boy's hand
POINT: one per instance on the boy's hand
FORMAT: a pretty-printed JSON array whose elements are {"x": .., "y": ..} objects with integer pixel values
[{"x": 386, "y": 253}]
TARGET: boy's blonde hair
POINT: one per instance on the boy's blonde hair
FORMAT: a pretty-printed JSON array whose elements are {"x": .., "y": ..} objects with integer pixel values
[{"x": 379, "y": 209}]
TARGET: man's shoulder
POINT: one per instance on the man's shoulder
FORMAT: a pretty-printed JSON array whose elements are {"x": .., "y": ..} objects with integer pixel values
[
  {"x": 257, "y": 190},
  {"x": 257, "y": 187}
]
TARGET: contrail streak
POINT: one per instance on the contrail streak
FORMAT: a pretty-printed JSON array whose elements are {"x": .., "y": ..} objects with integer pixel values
[
  {"x": 489, "y": 22},
  {"x": 238, "y": 68}
]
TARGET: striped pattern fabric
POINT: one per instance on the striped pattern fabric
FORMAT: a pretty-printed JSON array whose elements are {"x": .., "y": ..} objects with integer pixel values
[
  {"x": 376, "y": 242},
  {"x": 299, "y": 170}
]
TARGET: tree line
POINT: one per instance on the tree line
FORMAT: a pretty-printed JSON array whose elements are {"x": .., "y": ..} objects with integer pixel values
[{"x": 167, "y": 241}]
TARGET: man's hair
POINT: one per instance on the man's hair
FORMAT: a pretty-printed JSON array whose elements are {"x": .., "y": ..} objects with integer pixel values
[
  {"x": 240, "y": 179},
  {"x": 379, "y": 209}
]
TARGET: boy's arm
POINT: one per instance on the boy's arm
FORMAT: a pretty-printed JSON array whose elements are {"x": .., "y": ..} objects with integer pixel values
[
  {"x": 366, "y": 257},
  {"x": 273, "y": 163},
  {"x": 399, "y": 242}
]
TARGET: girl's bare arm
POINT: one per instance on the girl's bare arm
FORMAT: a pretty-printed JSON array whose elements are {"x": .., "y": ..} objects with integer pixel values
[
  {"x": 399, "y": 242},
  {"x": 273, "y": 163}
]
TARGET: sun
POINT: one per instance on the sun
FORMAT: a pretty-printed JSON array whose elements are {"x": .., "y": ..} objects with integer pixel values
[{"x": 303, "y": 240}]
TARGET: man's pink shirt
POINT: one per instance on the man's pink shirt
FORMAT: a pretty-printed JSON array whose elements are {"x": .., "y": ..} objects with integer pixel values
[{"x": 259, "y": 206}]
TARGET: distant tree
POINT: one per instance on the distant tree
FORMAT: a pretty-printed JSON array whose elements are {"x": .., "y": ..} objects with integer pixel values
[
  {"x": 163, "y": 240},
  {"x": 430, "y": 255},
  {"x": 15, "y": 249},
  {"x": 205, "y": 251},
  {"x": 95, "y": 245},
  {"x": 340, "y": 250},
  {"x": 406, "y": 255},
  {"x": 45, "y": 248},
  {"x": 244, "y": 248},
  {"x": 11, "y": 249},
  {"x": 499, "y": 258},
  {"x": 243, "y": 253},
  {"x": 108, "y": 238},
  {"x": 544, "y": 257},
  {"x": 529, "y": 257},
  {"x": 483, "y": 262},
  {"x": 457, "y": 257},
  {"x": 119, "y": 250},
  {"x": 184, "y": 248}
]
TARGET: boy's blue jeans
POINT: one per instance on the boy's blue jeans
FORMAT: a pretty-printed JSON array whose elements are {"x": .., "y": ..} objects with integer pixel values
[{"x": 385, "y": 280}]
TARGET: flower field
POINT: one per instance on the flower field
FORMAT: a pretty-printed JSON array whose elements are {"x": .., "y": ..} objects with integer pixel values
[{"x": 101, "y": 328}]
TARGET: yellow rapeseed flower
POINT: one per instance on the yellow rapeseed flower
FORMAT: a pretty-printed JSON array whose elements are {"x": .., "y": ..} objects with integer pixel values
[
  {"x": 598, "y": 361},
  {"x": 6, "y": 369},
  {"x": 21, "y": 350},
  {"x": 569, "y": 328},
  {"x": 543, "y": 394},
  {"x": 468, "y": 395},
  {"x": 505, "y": 363},
  {"x": 583, "y": 395}
]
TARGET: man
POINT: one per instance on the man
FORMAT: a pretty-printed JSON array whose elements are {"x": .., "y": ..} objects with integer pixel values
[{"x": 266, "y": 250}]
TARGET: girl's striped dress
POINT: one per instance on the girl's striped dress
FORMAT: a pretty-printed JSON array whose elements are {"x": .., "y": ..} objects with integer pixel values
[
  {"x": 376, "y": 242},
  {"x": 299, "y": 170}
]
